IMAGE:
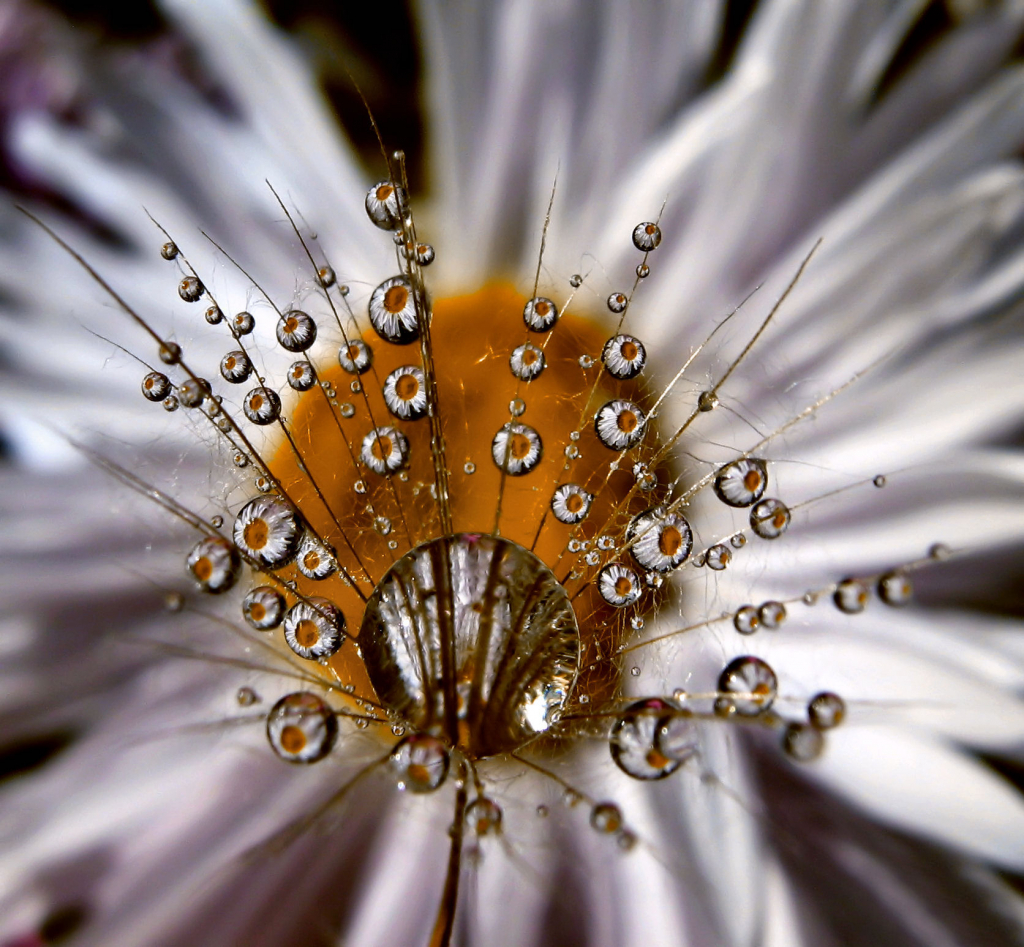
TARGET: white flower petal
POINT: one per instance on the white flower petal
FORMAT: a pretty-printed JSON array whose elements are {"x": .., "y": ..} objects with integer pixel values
[{"x": 921, "y": 785}]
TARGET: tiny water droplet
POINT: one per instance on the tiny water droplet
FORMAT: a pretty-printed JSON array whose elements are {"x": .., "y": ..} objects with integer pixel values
[{"x": 174, "y": 601}]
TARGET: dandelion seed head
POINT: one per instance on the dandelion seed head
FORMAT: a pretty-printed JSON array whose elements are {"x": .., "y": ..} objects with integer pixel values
[{"x": 558, "y": 628}]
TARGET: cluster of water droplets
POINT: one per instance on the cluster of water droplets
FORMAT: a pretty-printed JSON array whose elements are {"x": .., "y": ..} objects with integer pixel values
[{"x": 626, "y": 559}]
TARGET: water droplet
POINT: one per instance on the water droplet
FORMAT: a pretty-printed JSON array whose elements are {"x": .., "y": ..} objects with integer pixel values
[
  {"x": 772, "y": 614},
  {"x": 314, "y": 560},
  {"x": 540, "y": 314},
  {"x": 531, "y": 631},
  {"x": 879, "y": 481},
  {"x": 895, "y": 588},
  {"x": 156, "y": 386},
  {"x": 707, "y": 401},
  {"x": 605, "y": 542},
  {"x": 263, "y": 608},
  {"x": 526, "y": 361},
  {"x": 174, "y": 601},
  {"x": 826, "y": 710},
  {"x": 392, "y": 544},
  {"x": 424, "y": 254},
  {"x": 769, "y": 519},
  {"x": 802, "y": 742},
  {"x": 572, "y": 452},
  {"x": 634, "y": 671},
  {"x": 620, "y": 424},
  {"x": 262, "y": 406},
  {"x": 606, "y": 817},
  {"x": 301, "y": 376},
  {"x": 810, "y": 598},
  {"x": 347, "y": 409},
  {"x": 405, "y": 393},
  {"x": 542, "y": 811},
  {"x": 383, "y": 525},
  {"x": 617, "y": 302},
  {"x": 718, "y": 557},
  {"x": 751, "y": 678},
  {"x": 384, "y": 205},
  {"x": 483, "y": 816},
  {"x": 741, "y": 483},
  {"x": 169, "y": 251},
  {"x": 634, "y": 740},
  {"x": 591, "y": 558},
  {"x": 314, "y": 628},
  {"x": 170, "y": 353},
  {"x": 738, "y": 541},
  {"x": 585, "y": 361},
  {"x": 214, "y": 315},
  {"x": 385, "y": 450},
  {"x": 516, "y": 448},
  {"x": 851, "y": 596},
  {"x": 301, "y": 728},
  {"x": 355, "y": 357},
  {"x": 746, "y": 620},
  {"x": 359, "y": 486},
  {"x": 637, "y": 622},
  {"x": 296, "y": 331},
  {"x": 214, "y": 564},
  {"x": 392, "y": 311},
  {"x": 190, "y": 289},
  {"x": 643, "y": 270},
  {"x": 243, "y": 323},
  {"x": 646, "y": 236},
  {"x": 571, "y": 503},
  {"x": 192, "y": 391},
  {"x": 517, "y": 407},
  {"x": 940, "y": 551},
  {"x": 659, "y": 541},
  {"x": 645, "y": 480},
  {"x": 619, "y": 585},
  {"x": 246, "y": 697},
  {"x": 267, "y": 531},
  {"x": 420, "y": 763}
]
